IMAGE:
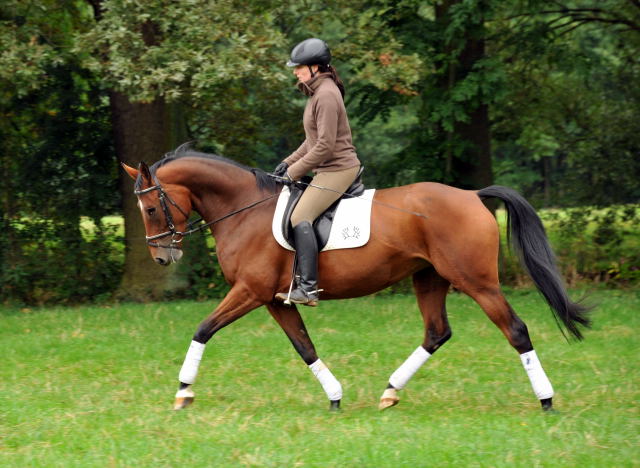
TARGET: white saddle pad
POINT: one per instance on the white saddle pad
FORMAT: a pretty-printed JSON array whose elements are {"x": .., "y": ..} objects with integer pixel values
[{"x": 351, "y": 225}]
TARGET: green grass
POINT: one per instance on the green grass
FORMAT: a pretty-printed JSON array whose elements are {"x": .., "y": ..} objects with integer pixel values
[{"x": 93, "y": 386}]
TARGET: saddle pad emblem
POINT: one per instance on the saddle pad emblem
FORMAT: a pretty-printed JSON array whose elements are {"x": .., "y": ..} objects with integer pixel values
[{"x": 351, "y": 226}]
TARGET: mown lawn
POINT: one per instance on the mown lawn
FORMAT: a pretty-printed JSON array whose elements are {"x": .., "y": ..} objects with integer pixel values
[{"x": 93, "y": 386}]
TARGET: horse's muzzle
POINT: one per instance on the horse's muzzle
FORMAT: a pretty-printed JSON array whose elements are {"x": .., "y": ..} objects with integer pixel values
[{"x": 166, "y": 257}]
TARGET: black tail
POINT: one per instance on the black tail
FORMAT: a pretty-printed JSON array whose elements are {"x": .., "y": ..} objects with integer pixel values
[{"x": 526, "y": 233}]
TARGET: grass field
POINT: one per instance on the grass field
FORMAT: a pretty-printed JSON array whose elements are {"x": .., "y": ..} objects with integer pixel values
[{"x": 93, "y": 387}]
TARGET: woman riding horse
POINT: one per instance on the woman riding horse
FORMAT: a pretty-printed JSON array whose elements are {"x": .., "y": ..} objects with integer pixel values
[
  {"x": 327, "y": 151},
  {"x": 439, "y": 235}
]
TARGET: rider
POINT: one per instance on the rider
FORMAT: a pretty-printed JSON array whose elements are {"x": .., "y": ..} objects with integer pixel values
[{"x": 327, "y": 151}]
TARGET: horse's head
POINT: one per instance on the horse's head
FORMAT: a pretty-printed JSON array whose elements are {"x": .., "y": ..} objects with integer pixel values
[{"x": 165, "y": 212}]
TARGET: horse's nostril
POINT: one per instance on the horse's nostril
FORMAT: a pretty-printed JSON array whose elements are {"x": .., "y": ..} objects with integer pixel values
[{"x": 161, "y": 261}]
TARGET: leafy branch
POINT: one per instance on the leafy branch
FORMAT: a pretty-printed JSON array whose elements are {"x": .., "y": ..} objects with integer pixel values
[{"x": 575, "y": 17}]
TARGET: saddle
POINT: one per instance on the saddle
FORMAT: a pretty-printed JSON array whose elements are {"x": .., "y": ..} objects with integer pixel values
[{"x": 322, "y": 224}]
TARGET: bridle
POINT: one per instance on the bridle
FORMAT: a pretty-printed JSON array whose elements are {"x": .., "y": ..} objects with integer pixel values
[
  {"x": 177, "y": 236},
  {"x": 173, "y": 232}
]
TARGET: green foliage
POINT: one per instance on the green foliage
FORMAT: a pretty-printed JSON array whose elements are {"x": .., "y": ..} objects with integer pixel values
[
  {"x": 375, "y": 55},
  {"x": 31, "y": 36},
  {"x": 56, "y": 162},
  {"x": 455, "y": 80},
  {"x": 179, "y": 49},
  {"x": 268, "y": 133},
  {"x": 570, "y": 113},
  {"x": 599, "y": 246},
  {"x": 55, "y": 262},
  {"x": 602, "y": 244},
  {"x": 561, "y": 85}
]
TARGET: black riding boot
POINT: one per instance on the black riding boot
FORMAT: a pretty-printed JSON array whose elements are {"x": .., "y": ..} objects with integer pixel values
[{"x": 306, "y": 291}]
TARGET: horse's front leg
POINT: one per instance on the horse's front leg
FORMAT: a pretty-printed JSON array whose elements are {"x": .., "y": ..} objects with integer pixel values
[
  {"x": 291, "y": 322},
  {"x": 236, "y": 303}
]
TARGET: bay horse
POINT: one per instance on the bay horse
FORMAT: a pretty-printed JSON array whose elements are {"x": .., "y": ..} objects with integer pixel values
[{"x": 440, "y": 235}]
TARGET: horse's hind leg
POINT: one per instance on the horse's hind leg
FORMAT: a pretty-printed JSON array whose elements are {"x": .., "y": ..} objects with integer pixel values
[
  {"x": 431, "y": 291},
  {"x": 291, "y": 322},
  {"x": 500, "y": 312}
]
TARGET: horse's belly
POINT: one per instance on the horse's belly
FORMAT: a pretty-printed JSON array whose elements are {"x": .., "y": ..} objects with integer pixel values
[{"x": 363, "y": 273}]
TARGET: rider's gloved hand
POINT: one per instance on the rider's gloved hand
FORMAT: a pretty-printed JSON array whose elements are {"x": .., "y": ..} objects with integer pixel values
[{"x": 281, "y": 169}]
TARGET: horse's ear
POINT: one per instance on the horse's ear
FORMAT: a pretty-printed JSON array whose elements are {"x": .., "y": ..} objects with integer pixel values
[
  {"x": 133, "y": 173},
  {"x": 144, "y": 171}
]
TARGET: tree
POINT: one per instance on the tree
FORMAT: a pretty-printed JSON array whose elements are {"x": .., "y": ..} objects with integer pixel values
[
  {"x": 433, "y": 89},
  {"x": 550, "y": 85},
  {"x": 55, "y": 155},
  {"x": 462, "y": 76},
  {"x": 154, "y": 61},
  {"x": 457, "y": 82},
  {"x": 151, "y": 56},
  {"x": 565, "y": 130}
]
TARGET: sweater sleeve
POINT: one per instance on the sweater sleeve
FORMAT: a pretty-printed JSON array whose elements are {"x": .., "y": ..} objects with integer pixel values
[
  {"x": 325, "y": 113},
  {"x": 297, "y": 154}
]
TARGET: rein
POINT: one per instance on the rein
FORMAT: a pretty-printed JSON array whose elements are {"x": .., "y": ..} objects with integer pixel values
[{"x": 173, "y": 232}]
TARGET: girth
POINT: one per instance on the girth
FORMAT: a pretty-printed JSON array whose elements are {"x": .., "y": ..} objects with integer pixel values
[{"x": 322, "y": 224}]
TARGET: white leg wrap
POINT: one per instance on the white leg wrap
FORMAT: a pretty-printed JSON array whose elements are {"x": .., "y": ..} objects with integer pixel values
[
  {"x": 539, "y": 381},
  {"x": 329, "y": 383},
  {"x": 185, "y": 393},
  {"x": 403, "y": 374},
  {"x": 191, "y": 363}
]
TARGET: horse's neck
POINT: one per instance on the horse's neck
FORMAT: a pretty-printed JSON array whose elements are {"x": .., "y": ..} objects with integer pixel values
[
  {"x": 219, "y": 190},
  {"x": 217, "y": 187}
]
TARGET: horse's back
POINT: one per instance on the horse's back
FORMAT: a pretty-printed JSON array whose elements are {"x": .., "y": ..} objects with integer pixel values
[
  {"x": 445, "y": 226},
  {"x": 436, "y": 206}
]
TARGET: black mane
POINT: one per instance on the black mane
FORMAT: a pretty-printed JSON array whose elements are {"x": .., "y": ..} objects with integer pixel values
[{"x": 263, "y": 180}]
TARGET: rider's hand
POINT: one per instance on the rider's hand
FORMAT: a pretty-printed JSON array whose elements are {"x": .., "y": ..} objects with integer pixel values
[{"x": 281, "y": 169}]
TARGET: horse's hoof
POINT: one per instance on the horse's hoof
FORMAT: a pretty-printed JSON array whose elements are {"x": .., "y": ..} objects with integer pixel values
[
  {"x": 389, "y": 398},
  {"x": 184, "y": 398},
  {"x": 334, "y": 405},
  {"x": 388, "y": 403},
  {"x": 182, "y": 403}
]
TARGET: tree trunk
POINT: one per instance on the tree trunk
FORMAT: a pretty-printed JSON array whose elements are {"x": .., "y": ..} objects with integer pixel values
[
  {"x": 8, "y": 245},
  {"x": 142, "y": 132},
  {"x": 547, "y": 170},
  {"x": 473, "y": 170}
]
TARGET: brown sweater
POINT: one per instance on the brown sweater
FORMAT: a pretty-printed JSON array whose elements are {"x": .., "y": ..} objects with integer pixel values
[{"x": 328, "y": 145}]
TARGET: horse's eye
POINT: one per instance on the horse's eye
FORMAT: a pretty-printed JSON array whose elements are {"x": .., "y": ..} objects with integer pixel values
[{"x": 150, "y": 211}]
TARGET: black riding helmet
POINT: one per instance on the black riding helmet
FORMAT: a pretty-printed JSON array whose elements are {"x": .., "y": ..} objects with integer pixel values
[{"x": 310, "y": 52}]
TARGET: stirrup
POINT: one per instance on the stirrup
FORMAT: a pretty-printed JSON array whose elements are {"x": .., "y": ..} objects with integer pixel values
[
  {"x": 303, "y": 297},
  {"x": 309, "y": 299}
]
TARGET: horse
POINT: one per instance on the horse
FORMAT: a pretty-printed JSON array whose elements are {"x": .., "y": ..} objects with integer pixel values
[{"x": 441, "y": 236}]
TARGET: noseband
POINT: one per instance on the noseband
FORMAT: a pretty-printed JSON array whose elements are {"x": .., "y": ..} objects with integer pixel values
[{"x": 173, "y": 232}]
